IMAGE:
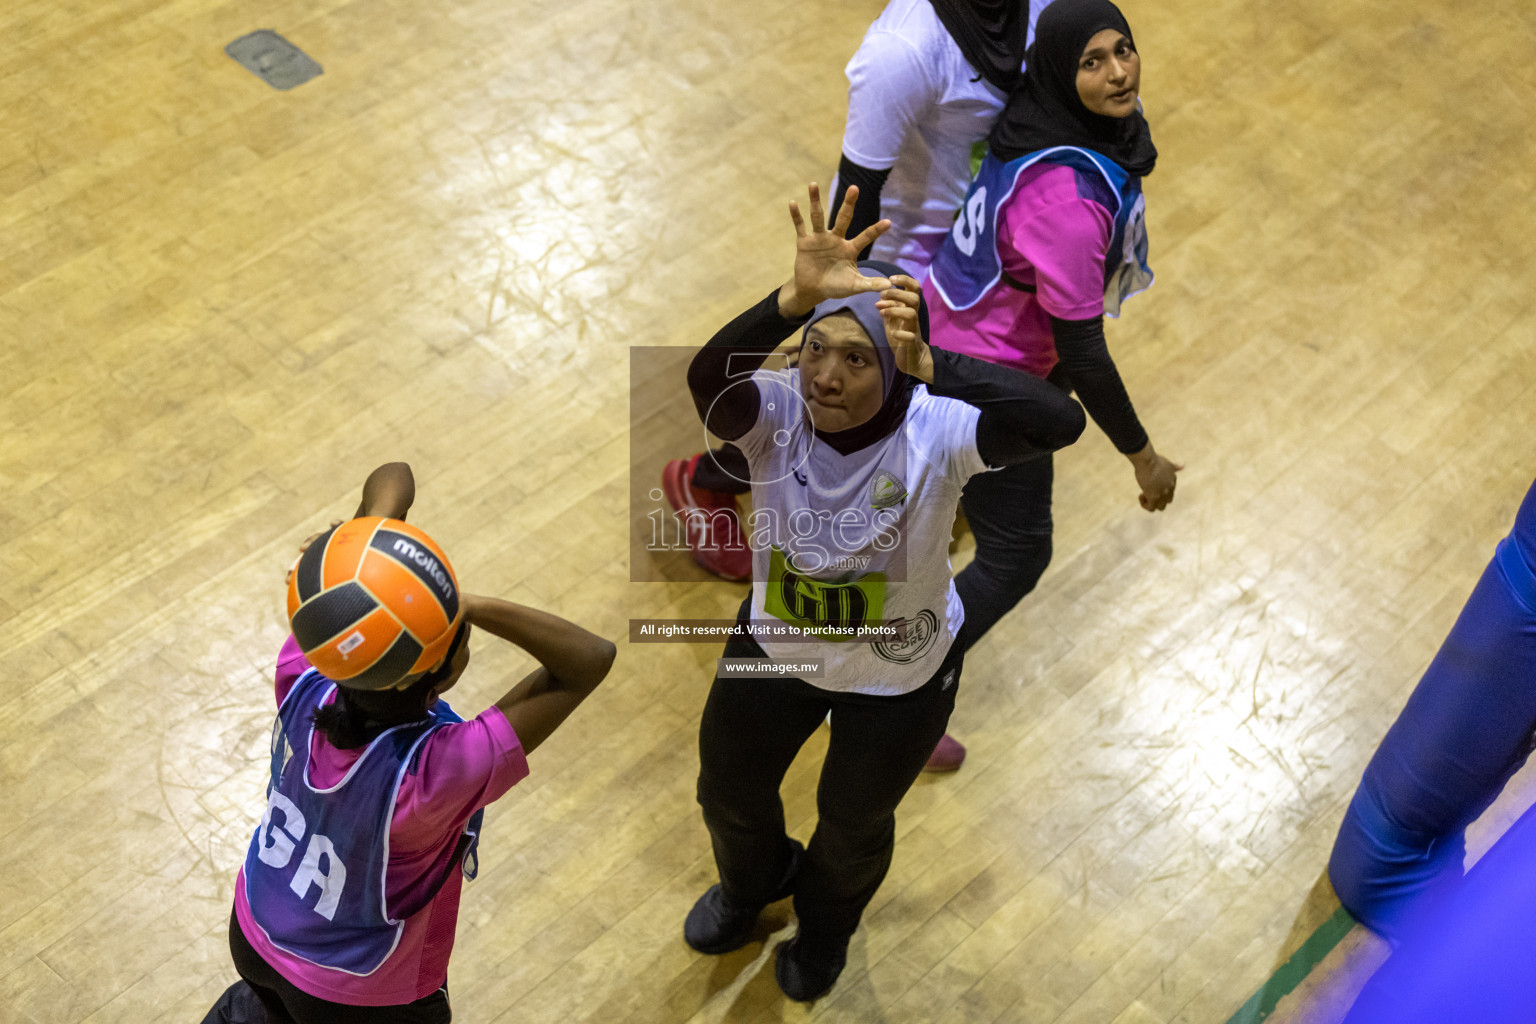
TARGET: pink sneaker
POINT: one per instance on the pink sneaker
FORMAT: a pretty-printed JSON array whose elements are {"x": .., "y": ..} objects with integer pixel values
[
  {"x": 948, "y": 756},
  {"x": 710, "y": 521}
]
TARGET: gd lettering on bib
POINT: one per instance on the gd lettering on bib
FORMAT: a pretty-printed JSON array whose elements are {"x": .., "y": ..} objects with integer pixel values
[{"x": 833, "y": 611}]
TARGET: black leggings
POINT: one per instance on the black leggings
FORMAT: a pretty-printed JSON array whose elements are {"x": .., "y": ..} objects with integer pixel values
[
  {"x": 1010, "y": 515},
  {"x": 723, "y": 469},
  {"x": 751, "y": 731},
  {"x": 263, "y": 996}
]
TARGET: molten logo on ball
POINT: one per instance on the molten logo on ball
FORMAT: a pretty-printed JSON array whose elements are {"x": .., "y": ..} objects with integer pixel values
[
  {"x": 373, "y": 602},
  {"x": 428, "y": 565}
]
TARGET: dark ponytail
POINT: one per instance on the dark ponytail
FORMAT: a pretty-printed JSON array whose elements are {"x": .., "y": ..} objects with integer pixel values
[
  {"x": 357, "y": 717},
  {"x": 339, "y": 724}
]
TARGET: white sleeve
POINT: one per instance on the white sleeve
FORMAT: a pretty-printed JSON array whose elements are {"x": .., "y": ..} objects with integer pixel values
[
  {"x": 948, "y": 428},
  {"x": 779, "y": 406},
  {"x": 964, "y": 458},
  {"x": 890, "y": 89}
]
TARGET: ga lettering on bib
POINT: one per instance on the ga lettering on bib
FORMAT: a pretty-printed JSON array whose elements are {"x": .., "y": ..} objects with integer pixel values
[{"x": 315, "y": 869}]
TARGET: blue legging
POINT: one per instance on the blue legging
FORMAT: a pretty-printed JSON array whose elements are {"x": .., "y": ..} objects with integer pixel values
[
  {"x": 1467, "y": 728},
  {"x": 1473, "y": 958}
]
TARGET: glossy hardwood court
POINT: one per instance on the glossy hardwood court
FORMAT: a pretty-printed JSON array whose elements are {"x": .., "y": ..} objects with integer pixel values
[{"x": 221, "y": 305}]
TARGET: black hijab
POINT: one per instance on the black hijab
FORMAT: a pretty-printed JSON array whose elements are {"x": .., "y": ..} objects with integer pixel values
[
  {"x": 990, "y": 33},
  {"x": 1045, "y": 110},
  {"x": 897, "y": 385}
]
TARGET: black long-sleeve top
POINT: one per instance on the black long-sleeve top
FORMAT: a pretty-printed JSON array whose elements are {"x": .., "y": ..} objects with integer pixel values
[
  {"x": 866, "y": 209},
  {"x": 1087, "y": 365},
  {"x": 1021, "y": 415}
]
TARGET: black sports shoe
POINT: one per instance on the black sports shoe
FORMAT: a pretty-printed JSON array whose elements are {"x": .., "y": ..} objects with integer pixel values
[
  {"x": 715, "y": 925},
  {"x": 806, "y": 971}
]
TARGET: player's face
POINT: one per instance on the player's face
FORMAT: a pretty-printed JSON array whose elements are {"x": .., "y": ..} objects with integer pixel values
[
  {"x": 1109, "y": 74},
  {"x": 839, "y": 374}
]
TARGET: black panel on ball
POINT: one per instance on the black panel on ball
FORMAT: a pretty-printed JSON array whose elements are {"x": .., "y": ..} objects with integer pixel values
[
  {"x": 392, "y": 666},
  {"x": 409, "y": 552},
  {"x": 308, "y": 574},
  {"x": 338, "y": 609}
]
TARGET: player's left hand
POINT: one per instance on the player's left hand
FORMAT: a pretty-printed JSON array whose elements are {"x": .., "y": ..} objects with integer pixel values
[
  {"x": 1156, "y": 476},
  {"x": 898, "y": 309}
]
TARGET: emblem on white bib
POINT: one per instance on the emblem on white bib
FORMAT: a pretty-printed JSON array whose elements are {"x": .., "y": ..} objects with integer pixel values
[
  {"x": 886, "y": 491},
  {"x": 919, "y": 634}
]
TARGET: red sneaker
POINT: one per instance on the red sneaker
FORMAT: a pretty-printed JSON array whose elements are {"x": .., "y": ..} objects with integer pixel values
[
  {"x": 948, "y": 756},
  {"x": 709, "y": 521}
]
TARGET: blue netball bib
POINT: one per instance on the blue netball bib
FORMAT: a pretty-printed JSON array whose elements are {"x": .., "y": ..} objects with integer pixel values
[
  {"x": 314, "y": 873},
  {"x": 968, "y": 265},
  {"x": 469, "y": 842}
]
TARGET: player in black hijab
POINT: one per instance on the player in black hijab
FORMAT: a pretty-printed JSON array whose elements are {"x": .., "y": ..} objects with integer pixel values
[{"x": 1047, "y": 109}]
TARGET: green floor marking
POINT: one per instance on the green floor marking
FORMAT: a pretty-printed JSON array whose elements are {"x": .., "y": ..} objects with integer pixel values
[{"x": 1280, "y": 984}]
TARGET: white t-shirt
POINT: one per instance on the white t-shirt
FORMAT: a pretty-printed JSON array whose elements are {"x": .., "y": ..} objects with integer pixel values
[
  {"x": 841, "y": 541},
  {"x": 913, "y": 107}
]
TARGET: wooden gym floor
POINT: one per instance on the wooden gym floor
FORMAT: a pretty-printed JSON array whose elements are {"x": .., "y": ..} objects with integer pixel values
[{"x": 221, "y": 305}]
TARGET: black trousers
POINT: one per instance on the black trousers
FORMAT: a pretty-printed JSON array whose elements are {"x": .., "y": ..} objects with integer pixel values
[
  {"x": 1010, "y": 515},
  {"x": 723, "y": 469},
  {"x": 749, "y": 735},
  {"x": 263, "y": 996}
]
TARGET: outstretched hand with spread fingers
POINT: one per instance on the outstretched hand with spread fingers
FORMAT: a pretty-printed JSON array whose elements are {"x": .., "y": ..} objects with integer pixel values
[{"x": 827, "y": 262}]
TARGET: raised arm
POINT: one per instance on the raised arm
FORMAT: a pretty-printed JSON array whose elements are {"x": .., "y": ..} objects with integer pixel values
[
  {"x": 826, "y": 267},
  {"x": 738, "y": 348},
  {"x": 1022, "y": 416},
  {"x": 572, "y": 662},
  {"x": 389, "y": 491}
]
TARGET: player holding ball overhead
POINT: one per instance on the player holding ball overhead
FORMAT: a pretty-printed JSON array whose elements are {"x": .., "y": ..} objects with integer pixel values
[{"x": 346, "y": 906}]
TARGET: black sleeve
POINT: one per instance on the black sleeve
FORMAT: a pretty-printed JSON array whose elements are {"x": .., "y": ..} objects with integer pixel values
[
  {"x": 1022, "y": 416},
  {"x": 737, "y": 349},
  {"x": 1086, "y": 362},
  {"x": 867, "y": 210}
]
